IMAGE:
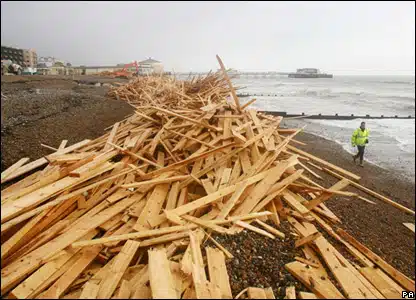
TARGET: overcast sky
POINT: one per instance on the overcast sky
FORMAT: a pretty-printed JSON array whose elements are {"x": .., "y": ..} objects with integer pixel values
[{"x": 337, "y": 37}]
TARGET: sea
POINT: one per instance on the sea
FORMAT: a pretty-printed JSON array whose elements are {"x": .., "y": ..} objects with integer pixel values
[{"x": 392, "y": 141}]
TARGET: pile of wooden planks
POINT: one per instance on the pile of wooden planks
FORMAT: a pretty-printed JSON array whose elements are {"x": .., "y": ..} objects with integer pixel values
[{"x": 126, "y": 215}]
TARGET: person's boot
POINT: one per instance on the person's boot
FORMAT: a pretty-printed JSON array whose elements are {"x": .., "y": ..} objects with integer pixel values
[
  {"x": 361, "y": 164},
  {"x": 354, "y": 158}
]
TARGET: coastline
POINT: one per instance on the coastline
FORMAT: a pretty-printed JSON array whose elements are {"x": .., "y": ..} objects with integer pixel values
[{"x": 380, "y": 226}]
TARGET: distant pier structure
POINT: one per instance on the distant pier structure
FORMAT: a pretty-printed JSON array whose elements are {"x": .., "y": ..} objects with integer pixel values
[{"x": 243, "y": 74}]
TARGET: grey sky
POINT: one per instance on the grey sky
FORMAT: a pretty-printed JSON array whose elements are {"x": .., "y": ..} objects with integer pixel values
[{"x": 338, "y": 37}]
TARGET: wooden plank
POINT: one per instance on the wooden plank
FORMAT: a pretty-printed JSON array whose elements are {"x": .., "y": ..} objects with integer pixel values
[
  {"x": 47, "y": 274},
  {"x": 10, "y": 170},
  {"x": 230, "y": 85},
  {"x": 226, "y": 252},
  {"x": 168, "y": 112},
  {"x": 307, "y": 262},
  {"x": 399, "y": 277},
  {"x": 374, "y": 194},
  {"x": 15, "y": 208},
  {"x": 292, "y": 200},
  {"x": 206, "y": 224},
  {"x": 64, "y": 282},
  {"x": 218, "y": 271},
  {"x": 271, "y": 229},
  {"x": 307, "y": 239},
  {"x": 314, "y": 280},
  {"x": 90, "y": 291},
  {"x": 124, "y": 291},
  {"x": 240, "y": 188},
  {"x": 325, "y": 163},
  {"x": 256, "y": 293},
  {"x": 132, "y": 236},
  {"x": 43, "y": 161},
  {"x": 261, "y": 189},
  {"x": 325, "y": 196},
  {"x": 255, "y": 229},
  {"x": 15, "y": 272},
  {"x": 153, "y": 207},
  {"x": 160, "y": 276},
  {"x": 383, "y": 286},
  {"x": 290, "y": 292},
  {"x": 110, "y": 138},
  {"x": 305, "y": 295},
  {"x": 121, "y": 262},
  {"x": 181, "y": 210},
  {"x": 411, "y": 226},
  {"x": 350, "y": 284},
  {"x": 269, "y": 293}
]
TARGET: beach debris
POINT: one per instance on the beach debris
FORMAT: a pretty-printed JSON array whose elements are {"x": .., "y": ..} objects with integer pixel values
[{"x": 127, "y": 214}]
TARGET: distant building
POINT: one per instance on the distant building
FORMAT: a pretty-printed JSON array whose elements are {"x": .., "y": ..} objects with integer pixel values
[
  {"x": 84, "y": 70},
  {"x": 30, "y": 58},
  {"x": 150, "y": 66},
  {"x": 13, "y": 54}
]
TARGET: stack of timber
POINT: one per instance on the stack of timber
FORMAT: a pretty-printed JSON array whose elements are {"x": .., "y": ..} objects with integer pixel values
[{"x": 126, "y": 215}]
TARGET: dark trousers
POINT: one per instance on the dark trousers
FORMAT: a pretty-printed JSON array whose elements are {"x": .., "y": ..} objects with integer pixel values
[{"x": 360, "y": 153}]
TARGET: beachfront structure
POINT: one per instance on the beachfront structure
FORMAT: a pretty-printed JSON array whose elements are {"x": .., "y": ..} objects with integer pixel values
[
  {"x": 30, "y": 58},
  {"x": 150, "y": 66},
  {"x": 91, "y": 70},
  {"x": 13, "y": 54}
]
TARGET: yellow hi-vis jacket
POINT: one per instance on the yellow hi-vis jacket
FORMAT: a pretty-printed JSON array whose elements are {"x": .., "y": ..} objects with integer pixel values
[{"x": 359, "y": 137}]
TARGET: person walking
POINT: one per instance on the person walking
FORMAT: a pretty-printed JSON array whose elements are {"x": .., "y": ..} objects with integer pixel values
[{"x": 360, "y": 139}]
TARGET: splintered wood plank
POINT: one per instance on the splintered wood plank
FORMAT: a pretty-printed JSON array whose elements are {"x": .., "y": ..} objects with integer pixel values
[
  {"x": 186, "y": 261},
  {"x": 111, "y": 136},
  {"x": 305, "y": 295},
  {"x": 153, "y": 206},
  {"x": 373, "y": 193},
  {"x": 325, "y": 196},
  {"x": 261, "y": 189},
  {"x": 218, "y": 271},
  {"x": 64, "y": 282},
  {"x": 15, "y": 272},
  {"x": 381, "y": 285},
  {"x": 307, "y": 239},
  {"x": 48, "y": 273},
  {"x": 292, "y": 200},
  {"x": 325, "y": 163},
  {"x": 181, "y": 280},
  {"x": 205, "y": 224},
  {"x": 256, "y": 293},
  {"x": 121, "y": 262},
  {"x": 245, "y": 162},
  {"x": 400, "y": 278},
  {"x": 230, "y": 85},
  {"x": 240, "y": 188},
  {"x": 160, "y": 276},
  {"x": 314, "y": 280},
  {"x": 168, "y": 112},
  {"x": 9, "y": 171},
  {"x": 253, "y": 228},
  {"x": 28, "y": 201},
  {"x": 270, "y": 229},
  {"x": 411, "y": 226},
  {"x": 269, "y": 293},
  {"x": 90, "y": 291},
  {"x": 42, "y": 161},
  {"x": 290, "y": 292},
  {"x": 350, "y": 284}
]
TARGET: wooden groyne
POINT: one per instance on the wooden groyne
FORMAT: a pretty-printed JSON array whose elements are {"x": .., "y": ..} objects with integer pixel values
[{"x": 334, "y": 117}]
